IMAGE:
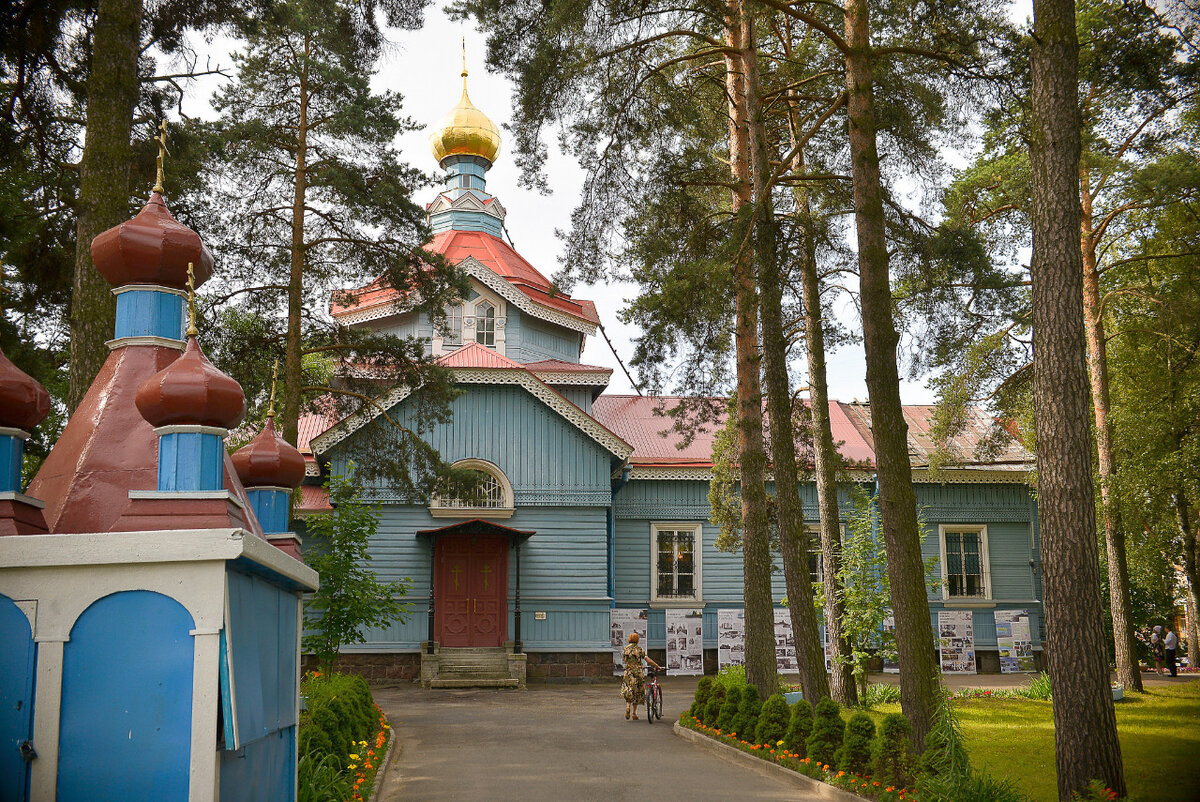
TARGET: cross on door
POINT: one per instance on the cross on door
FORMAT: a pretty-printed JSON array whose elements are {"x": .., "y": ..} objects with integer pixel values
[
  {"x": 456, "y": 570},
  {"x": 487, "y": 569}
]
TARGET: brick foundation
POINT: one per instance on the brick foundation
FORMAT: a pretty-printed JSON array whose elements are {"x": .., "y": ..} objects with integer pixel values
[
  {"x": 374, "y": 667},
  {"x": 569, "y": 666}
]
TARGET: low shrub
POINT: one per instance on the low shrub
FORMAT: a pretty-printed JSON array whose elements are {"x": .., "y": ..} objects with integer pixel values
[
  {"x": 773, "y": 720},
  {"x": 799, "y": 728},
  {"x": 321, "y": 779},
  {"x": 827, "y": 731},
  {"x": 746, "y": 719},
  {"x": 1038, "y": 687},
  {"x": 883, "y": 693},
  {"x": 972, "y": 786},
  {"x": 729, "y": 710},
  {"x": 703, "y": 689},
  {"x": 855, "y": 755},
  {"x": 731, "y": 677},
  {"x": 891, "y": 763},
  {"x": 712, "y": 708},
  {"x": 944, "y": 752},
  {"x": 338, "y": 709},
  {"x": 1096, "y": 791}
]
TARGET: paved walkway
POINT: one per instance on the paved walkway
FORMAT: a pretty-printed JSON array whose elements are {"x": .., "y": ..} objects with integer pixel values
[{"x": 554, "y": 742}]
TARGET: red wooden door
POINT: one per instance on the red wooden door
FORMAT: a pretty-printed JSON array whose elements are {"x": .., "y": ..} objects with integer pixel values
[{"x": 471, "y": 590}]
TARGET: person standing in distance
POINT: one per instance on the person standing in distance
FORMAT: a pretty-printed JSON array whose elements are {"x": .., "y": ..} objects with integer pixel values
[{"x": 1170, "y": 644}]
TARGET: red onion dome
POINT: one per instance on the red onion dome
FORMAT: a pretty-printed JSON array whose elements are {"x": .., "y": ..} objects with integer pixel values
[
  {"x": 269, "y": 461},
  {"x": 152, "y": 248},
  {"x": 24, "y": 403},
  {"x": 191, "y": 391}
]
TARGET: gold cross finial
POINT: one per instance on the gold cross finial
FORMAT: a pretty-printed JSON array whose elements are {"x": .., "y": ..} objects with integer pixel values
[
  {"x": 192, "y": 331},
  {"x": 161, "y": 139},
  {"x": 274, "y": 378},
  {"x": 464, "y": 72}
]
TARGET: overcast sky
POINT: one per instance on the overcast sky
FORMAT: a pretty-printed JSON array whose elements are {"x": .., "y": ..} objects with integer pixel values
[{"x": 424, "y": 66}]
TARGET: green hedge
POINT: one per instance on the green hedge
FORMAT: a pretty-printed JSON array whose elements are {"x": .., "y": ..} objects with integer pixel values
[{"x": 339, "y": 715}]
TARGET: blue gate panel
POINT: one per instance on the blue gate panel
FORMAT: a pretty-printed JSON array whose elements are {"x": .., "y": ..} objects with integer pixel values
[
  {"x": 263, "y": 771},
  {"x": 16, "y": 699},
  {"x": 126, "y": 719}
]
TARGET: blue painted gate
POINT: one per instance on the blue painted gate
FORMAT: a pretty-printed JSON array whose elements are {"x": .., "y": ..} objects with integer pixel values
[
  {"x": 16, "y": 699},
  {"x": 126, "y": 724}
]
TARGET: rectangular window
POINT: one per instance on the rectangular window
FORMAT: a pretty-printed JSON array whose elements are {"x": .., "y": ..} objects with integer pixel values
[
  {"x": 485, "y": 325},
  {"x": 454, "y": 317},
  {"x": 676, "y": 562},
  {"x": 965, "y": 562}
]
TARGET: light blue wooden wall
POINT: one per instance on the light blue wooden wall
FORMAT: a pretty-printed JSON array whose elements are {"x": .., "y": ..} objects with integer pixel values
[
  {"x": 579, "y": 396},
  {"x": 528, "y": 339},
  {"x": 563, "y": 573},
  {"x": 410, "y": 324},
  {"x": 548, "y": 460}
]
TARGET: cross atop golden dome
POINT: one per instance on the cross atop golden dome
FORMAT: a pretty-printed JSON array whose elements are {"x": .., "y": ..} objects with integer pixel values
[{"x": 465, "y": 130}]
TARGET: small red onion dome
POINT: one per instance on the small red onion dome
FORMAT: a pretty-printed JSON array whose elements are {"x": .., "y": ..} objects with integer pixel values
[
  {"x": 191, "y": 391},
  {"x": 24, "y": 403},
  {"x": 152, "y": 248},
  {"x": 269, "y": 461}
]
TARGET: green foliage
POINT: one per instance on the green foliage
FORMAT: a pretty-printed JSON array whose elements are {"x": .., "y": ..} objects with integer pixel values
[
  {"x": 1096, "y": 791},
  {"x": 746, "y": 719},
  {"x": 974, "y": 786},
  {"x": 879, "y": 693},
  {"x": 700, "y": 700},
  {"x": 773, "y": 720},
  {"x": 855, "y": 753},
  {"x": 714, "y": 705},
  {"x": 1038, "y": 687},
  {"x": 891, "y": 761},
  {"x": 828, "y": 730},
  {"x": 724, "y": 501},
  {"x": 944, "y": 751},
  {"x": 729, "y": 708},
  {"x": 799, "y": 728},
  {"x": 338, "y": 711},
  {"x": 351, "y": 598},
  {"x": 732, "y": 676},
  {"x": 321, "y": 778}
]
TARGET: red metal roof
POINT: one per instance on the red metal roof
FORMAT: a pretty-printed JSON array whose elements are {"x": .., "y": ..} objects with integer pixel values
[
  {"x": 499, "y": 257},
  {"x": 313, "y": 498},
  {"x": 474, "y": 355},
  {"x": 642, "y": 422}
]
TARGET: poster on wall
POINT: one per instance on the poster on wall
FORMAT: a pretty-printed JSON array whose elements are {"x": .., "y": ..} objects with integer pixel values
[
  {"x": 625, "y": 621},
  {"x": 785, "y": 643},
  {"x": 685, "y": 642},
  {"x": 956, "y": 641},
  {"x": 731, "y": 638},
  {"x": 890, "y": 666},
  {"x": 1014, "y": 642}
]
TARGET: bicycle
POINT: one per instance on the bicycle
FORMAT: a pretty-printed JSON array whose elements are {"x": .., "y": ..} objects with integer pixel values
[{"x": 654, "y": 695}]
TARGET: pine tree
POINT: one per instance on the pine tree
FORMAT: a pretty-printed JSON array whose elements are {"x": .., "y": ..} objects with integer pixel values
[
  {"x": 714, "y": 705},
  {"x": 773, "y": 720},
  {"x": 891, "y": 763},
  {"x": 828, "y": 730},
  {"x": 730, "y": 706},
  {"x": 854, "y": 757},
  {"x": 799, "y": 728},
  {"x": 745, "y": 721},
  {"x": 703, "y": 690}
]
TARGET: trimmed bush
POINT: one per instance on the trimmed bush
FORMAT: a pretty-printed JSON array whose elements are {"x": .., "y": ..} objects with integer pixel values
[
  {"x": 772, "y": 721},
  {"x": 855, "y": 755},
  {"x": 712, "y": 708},
  {"x": 339, "y": 709},
  {"x": 729, "y": 709},
  {"x": 799, "y": 728},
  {"x": 703, "y": 689},
  {"x": 890, "y": 760},
  {"x": 827, "y": 731},
  {"x": 746, "y": 719}
]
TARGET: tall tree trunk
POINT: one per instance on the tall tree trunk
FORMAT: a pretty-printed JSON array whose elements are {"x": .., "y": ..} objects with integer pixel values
[
  {"x": 1124, "y": 649},
  {"x": 1085, "y": 730},
  {"x": 112, "y": 95},
  {"x": 1191, "y": 570},
  {"x": 293, "y": 358},
  {"x": 793, "y": 537},
  {"x": 825, "y": 464},
  {"x": 756, "y": 549},
  {"x": 919, "y": 678}
]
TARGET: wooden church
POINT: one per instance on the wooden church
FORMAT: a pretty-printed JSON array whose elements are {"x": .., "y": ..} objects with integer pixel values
[{"x": 589, "y": 506}]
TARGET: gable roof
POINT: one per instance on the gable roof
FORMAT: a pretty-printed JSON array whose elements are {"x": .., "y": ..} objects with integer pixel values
[
  {"x": 478, "y": 248},
  {"x": 476, "y": 364}
]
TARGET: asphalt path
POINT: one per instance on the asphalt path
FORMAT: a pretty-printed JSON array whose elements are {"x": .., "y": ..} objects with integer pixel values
[{"x": 554, "y": 742}]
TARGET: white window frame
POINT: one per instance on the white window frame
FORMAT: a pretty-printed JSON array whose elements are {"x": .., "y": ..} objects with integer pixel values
[
  {"x": 984, "y": 561},
  {"x": 452, "y": 336},
  {"x": 442, "y": 508},
  {"x": 697, "y": 530},
  {"x": 481, "y": 309}
]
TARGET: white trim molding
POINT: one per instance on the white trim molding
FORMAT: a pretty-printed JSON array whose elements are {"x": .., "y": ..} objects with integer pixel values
[
  {"x": 985, "y": 566},
  {"x": 505, "y": 510},
  {"x": 697, "y": 530},
  {"x": 502, "y": 287}
]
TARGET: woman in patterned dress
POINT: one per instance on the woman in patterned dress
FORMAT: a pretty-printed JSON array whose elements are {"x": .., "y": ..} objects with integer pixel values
[{"x": 633, "y": 681}]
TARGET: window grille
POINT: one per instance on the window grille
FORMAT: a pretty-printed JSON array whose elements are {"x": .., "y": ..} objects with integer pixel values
[
  {"x": 485, "y": 324},
  {"x": 454, "y": 319},
  {"x": 676, "y": 563},
  {"x": 964, "y": 566},
  {"x": 488, "y": 496}
]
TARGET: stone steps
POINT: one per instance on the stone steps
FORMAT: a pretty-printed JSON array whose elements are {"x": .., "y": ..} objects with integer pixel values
[
  {"x": 473, "y": 668},
  {"x": 506, "y": 682}
]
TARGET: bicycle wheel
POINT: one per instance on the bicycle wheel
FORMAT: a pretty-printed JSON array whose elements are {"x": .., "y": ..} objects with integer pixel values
[
  {"x": 650, "y": 693},
  {"x": 658, "y": 700}
]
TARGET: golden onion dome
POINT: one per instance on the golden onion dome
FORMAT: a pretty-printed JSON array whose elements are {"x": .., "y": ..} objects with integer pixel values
[{"x": 465, "y": 130}]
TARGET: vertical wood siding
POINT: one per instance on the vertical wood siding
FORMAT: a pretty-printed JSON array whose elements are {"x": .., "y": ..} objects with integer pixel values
[{"x": 527, "y": 339}]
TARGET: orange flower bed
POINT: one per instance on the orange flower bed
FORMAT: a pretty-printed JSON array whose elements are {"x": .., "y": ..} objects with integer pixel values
[{"x": 366, "y": 765}]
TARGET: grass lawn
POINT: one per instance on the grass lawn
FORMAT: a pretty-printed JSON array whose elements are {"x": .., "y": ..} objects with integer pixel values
[{"x": 1159, "y": 731}]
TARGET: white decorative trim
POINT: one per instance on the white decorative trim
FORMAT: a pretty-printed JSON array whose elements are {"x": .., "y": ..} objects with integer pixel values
[
  {"x": 369, "y": 313},
  {"x": 471, "y": 512},
  {"x": 523, "y": 378},
  {"x": 592, "y": 378},
  {"x": 270, "y": 487},
  {"x": 508, "y": 292},
  {"x": 312, "y": 468},
  {"x": 13, "y": 495},
  {"x": 9, "y": 431},
  {"x": 190, "y": 428},
  {"x": 162, "y": 342},
  {"x": 199, "y": 495},
  {"x": 491, "y": 469},
  {"x": 468, "y": 202},
  {"x": 698, "y": 474},
  {"x": 953, "y": 476},
  {"x": 204, "y": 631},
  {"x": 149, "y": 288}
]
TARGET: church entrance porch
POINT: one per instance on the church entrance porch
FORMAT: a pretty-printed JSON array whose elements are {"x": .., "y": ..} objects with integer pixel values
[{"x": 471, "y": 574}]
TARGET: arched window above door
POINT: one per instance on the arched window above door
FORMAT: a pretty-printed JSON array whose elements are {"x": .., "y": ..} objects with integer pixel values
[{"x": 492, "y": 498}]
